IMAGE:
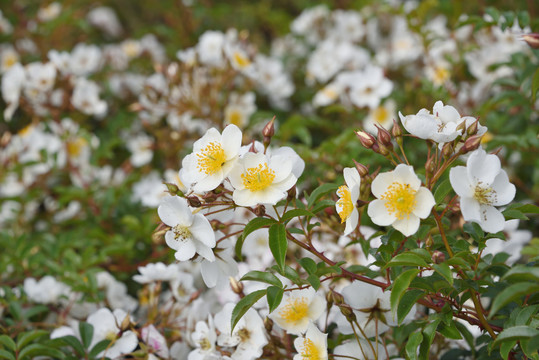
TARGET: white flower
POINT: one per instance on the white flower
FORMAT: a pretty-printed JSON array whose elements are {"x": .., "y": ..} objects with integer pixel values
[
  {"x": 156, "y": 272},
  {"x": 382, "y": 115},
  {"x": 213, "y": 157},
  {"x": 482, "y": 185},
  {"x": 12, "y": 83},
  {"x": 85, "y": 59},
  {"x": 313, "y": 345},
  {"x": 440, "y": 126},
  {"x": 190, "y": 233},
  {"x": 369, "y": 87},
  {"x": 216, "y": 273},
  {"x": 401, "y": 200},
  {"x": 155, "y": 340},
  {"x": 359, "y": 350},
  {"x": 348, "y": 195},
  {"x": 239, "y": 109},
  {"x": 297, "y": 310},
  {"x": 210, "y": 48},
  {"x": 259, "y": 180},
  {"x": 45, "y": 291},
  {"x": 105, "y": 18},
  {"x": 106, "y": 326},
  {"x": 249, "y": 335},
  {"x": 85, "y": 98},
  {"x": 49, "y": 12},
  {"x": 141, "y": 149},
  {"x": 204, "y": 338}
]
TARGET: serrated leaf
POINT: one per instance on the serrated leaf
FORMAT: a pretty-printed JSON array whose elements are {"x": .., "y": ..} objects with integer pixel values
[
  {"x": 429, "y": 331},
  {"x": 319, "y": 192},
  {"x": 4, "y": 354},
  {"x": 516, "y": 333},
  {"x": 406, "y": 259},
  {"x": 27, "y": 337},
  {"x": 314, "y": 281},
  {"x": 244, "y": 305},
  {"x": 7, "y": 342},
  {"x": 412, "y": 344},
  {"x": 86, "y": 332},
  {"x": 99, "y": 347},
  {"x": 251, "y": 226},
  {"x": 263, "y": 276},
  {"x": 278, "y": 244},
  {"x": 295, "y": 213},
  {"x": 442, "y": 190},
  {"x": 308, "y": 264},
  {"x": 445, "y": 271},
  {"x": 75, "y": 343},
  {"x": 408, "y": 300},
  {"x": 512, "y": 293},
  {"x": 274, "y": 296},
  {"x": 33, "y": 350},
  {"x": 400, "y": 285}
]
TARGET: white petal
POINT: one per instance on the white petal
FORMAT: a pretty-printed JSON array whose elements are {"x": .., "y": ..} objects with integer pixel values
[
  {"x": 170, "y": 239},
  {"x": 282, "y": 167},
  {"x": 174, "y": 210},
  {"x": 204, "y": 251},
  {"x": 408, "y": 226},
  {"x": 458, "y": 177},
  {"x": 381, "y": 183},
  {"x": 212, "y": 135},
  {"x": 424, "y": 202},
  {"x": 422, "y": 126},
  {"x": 404, "y": 174},
  {"x": 378, "y": 213},
  {"x": 124, "y": 345},
  {"x": 235, "y": 175},
  {"x": 492, "y": 219},
  {"x": 231, "y": 141},
  {"x": 252, "y": 160},
  {"x": 351, "y": 177},
  {"x": 243, "y": 197},
  {"x": 186, "y": 250},
  {"x": 202, "y": 230},
  {"x": 505, "y": 191},
  {"x": 469, "y": 207},
  {"x": 448, "y": 114},
  {"x": 209, "y": 182},
  {"x": 483, "y": 168},
  {"x": 210, "y": 273},
  {"x": 351, "y": 222}
]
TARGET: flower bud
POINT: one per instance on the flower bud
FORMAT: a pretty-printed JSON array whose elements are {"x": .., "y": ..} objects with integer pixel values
[
  {"x": 384, "y": 137},
  {"x": 532, "y": 40},
  {"x": 438, "y": 257},
  {"x": 361, "y": 169},
  {"x": 260, "y": 210},
  {"x": 382, "y": 149},
  {"x": 291, "y": 193},
  {"x": 348, "y": 313},
  {"x": 429, "y": 242},
  {"x": 448, "y": 149},
  {"x": 430, "y": 166},
  {"x": 269, "y": 129},
  {"x": 461, "y": 126},
  {"x": 366, "y": 139},
  {"x": 210, "y": 197},
  {"x": 472, "y": 129},
  {"x": 268, "y": 324},
  {"x": 193, "y": 201},
  {"x": 396, "y": 130},
  {"x": 471, "y": 144},
  {"x": 126, "y": 323},
  {"x": 334, "y": 297},
  {"x": 236, "y": 286},
  {"x": 173, "y": 189}
]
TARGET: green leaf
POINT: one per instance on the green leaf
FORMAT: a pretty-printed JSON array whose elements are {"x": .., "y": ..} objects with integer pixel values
[
  {"x": 408, "y": 300},
  {"x": 7, "y": 342},
  {"x": 314, "y": 281},
  {"x": 263, "y": 276},
  {"x": 400, "y": 285},
  {"x": 442, "y": 190},
  {"x": 27, "y": 337},
  {"x": 308, "y": 264},
  {"x": 450, "y": 331},
  {"x": 278, "y": 244},
  {"x": 444, "y": 270},
  {"x": 516, "y": 333},
  {"x": 514, "y": 214},
  {"x": 72, "y": 341},
  {"x": 535, "y": 84},
  {"x": 506, "y": 348},
  {"x": 528, "y": 208},
  {"x": 274, "y": 295},
  {"x": 295, "y": 213},
  {"x": 86, "y": 333},
  {"x": 33, "y": 350},
  {"x": 512, "y": 293},
  {"x": 6, "y": 355},
  {"x": 522, "y": 272},
  {"x": 429, "y": 331},
  {"x": 406, "y": 259},
  {"x": 251, "y": 226},
  {"x": 321, "y": 205},
  {"x": 15, "y": 310},
  {"x": 243, "y": 305},
  {"x": 531, "y": 345},
  {"x": 412, "y": 344},
  {"x": 319, "y": 192},
  {"x": 100, "y": 346}
]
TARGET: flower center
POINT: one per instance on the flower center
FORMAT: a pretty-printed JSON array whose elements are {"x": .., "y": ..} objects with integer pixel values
[
  {"x": 211, "y": 158},
  {"x": 295, "y": 310},
  {"x": 330, "y": 93},
  {"x": 380, "y": 114},
  {"x": 345, "y": 203},
  {"x": 74, "y": 147},
  {"x": 484, "y": 195},
  {"x": 235, "y": 117},
  {"x": 244, "y": 334},
  {"x": 441, "y": 74},
  {"x": 205, "y": 344},
  {"x": 241, "y": 60},
  {"x": 309, "y": 351},
  {"x": 258, "y": 178},
  {"x": 400, "y": 200},
  {"x": 111, "y": 335},
  {"x": 181, "y": 232}
]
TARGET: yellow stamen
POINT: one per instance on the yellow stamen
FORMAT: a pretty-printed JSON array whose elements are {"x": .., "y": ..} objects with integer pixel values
[
  {"x": 258, "y": 178},
  {"x": 74, "y": 147},
  {"x": 380, "y": 114},
  {"x": 441, "y": 75},
  {"x": 295, "y": 310},
  {"x": 244, "y": 334},
  {"x": 484, "y": 195},
  {"x": 345, "y": 203},
  {"x": 234, "y": 117},
  {"x": 181, "y": 232},
  {"x": 241, "y": 60},
  {"x": 310, "y": 351},
  {"x": 211, "y": 158},
  {"x": 400, "y": 200}
]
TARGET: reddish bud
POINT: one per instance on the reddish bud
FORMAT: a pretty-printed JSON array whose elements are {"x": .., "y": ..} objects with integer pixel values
[
  {"x": 193, "y": 201},
  {"x": 472, "y": 129},
  {"x": 366, "y": 139},
  {"x": 438, "y": 257},
  {"x": 532, "y": 40},
  {"x": 448, "y": 149},
  {"x": 471, "y": 144},
  {"x": 396, "y": 130},
  {"x": 361, "y": 169},
  {"x": 269, "y": 129},
  {"x": 260, "y": 210},
  {"x": 384, "y": 137},
  {"x": 461, "y": 126}
]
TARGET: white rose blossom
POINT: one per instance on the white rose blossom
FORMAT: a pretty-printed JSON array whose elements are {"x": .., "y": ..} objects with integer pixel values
[
  {"x": 482, "y": 185},
  {"x": 348, "y": 195}
]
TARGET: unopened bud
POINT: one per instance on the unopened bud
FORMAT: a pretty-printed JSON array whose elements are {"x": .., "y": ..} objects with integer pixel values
[
  {"x": 260, "y": 210},
  {"x": 173, "y": 189},
  {"x": 429, "y": 242},
  {"x": 366, "y": 139},
  {"x": 461, "y": 126},
  {"x": 335, "y": 297},
  {"x": 252, "y": 148},
  {"x": 291, "y": 193},
  {"x": 472, "y": 129},
  {"x": 361, "y": 169},
  {"x": 471, "y": 144},
  {"x": 126, "y": 323},
  {"x": 236, "y": 285},
  {"x": 193, "y": 201},
  {"x": 396, "y": 130},
  {"x": 210, "y": 197},
  {"x": 430, "y": 166},
  {"x": 268, "y": 324},
  {"x": 382, "y": 149},
  {"x": 448, "y": 149},
  {"x": 348, "y": 313},
  {"x": 438, "y": 257},
  {"x": 384, "y": 137},
  {"x": 269, "y": 129},
  {"x": 532, "y": 40}
]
